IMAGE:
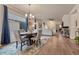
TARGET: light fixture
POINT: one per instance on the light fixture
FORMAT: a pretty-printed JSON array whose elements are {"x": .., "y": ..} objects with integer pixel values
[
  {"x": 32, "y": 16},
  {"x": 60, "y": 26},
  {"x": 25, "y": 15},
  {"x": 29, "y": 14}
]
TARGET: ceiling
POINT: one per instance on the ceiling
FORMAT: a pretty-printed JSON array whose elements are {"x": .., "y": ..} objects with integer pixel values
[{"x": 45, "y": 11}]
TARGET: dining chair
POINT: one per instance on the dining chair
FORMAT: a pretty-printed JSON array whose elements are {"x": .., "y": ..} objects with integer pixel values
[
  {"x": 23, "y": 40},
  {"x": 37, "y": 39}
]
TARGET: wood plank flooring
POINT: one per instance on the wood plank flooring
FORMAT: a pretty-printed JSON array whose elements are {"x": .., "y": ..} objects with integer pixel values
[{"x": 58, "y": 45}]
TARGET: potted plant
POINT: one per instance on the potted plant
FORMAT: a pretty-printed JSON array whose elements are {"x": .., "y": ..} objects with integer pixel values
[{"x": 77, "y": 39}]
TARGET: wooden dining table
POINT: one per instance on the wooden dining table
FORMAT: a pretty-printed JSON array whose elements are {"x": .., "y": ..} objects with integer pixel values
[{"x": 29, "y": 35}]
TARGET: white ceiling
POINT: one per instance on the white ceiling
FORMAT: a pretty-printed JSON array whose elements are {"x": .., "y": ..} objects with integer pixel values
[{"x": 45, "y": 11}]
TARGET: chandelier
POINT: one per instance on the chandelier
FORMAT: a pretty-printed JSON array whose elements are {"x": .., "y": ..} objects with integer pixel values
[{"x": 29, "y": 14}]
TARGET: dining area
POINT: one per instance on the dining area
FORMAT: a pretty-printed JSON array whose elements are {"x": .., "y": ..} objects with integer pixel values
[
  {"x": 27, "y": 38},
  {"x": 23, "y": 42},
  {"x": 17, "y": 35}
]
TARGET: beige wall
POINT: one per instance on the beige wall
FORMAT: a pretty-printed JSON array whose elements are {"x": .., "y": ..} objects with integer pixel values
[
  {"x": 66, "y": 20},
  {"x": 1, "y": 20}
]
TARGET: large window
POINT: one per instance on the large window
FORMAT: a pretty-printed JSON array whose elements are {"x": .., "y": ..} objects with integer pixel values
[{"x": 13, "y": 25}]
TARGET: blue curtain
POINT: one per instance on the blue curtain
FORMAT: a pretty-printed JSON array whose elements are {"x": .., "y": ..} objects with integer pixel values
[{"x": 5, "y": 38}]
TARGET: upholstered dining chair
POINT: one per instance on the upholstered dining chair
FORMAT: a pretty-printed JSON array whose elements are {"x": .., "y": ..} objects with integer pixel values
[
  {"x": 22, "y": 40},
  {"x": 37, "y": 39}
]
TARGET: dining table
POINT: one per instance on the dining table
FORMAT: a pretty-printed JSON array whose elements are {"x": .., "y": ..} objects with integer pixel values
[{"x": 29, "y": 35}]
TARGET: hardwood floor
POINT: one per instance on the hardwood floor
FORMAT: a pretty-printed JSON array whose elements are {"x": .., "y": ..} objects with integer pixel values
[{"x": 58, "y": 45}]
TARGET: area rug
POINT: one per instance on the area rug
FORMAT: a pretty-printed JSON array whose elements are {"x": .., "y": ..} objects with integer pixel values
[
  {"x": 0, "y": 45},
  {"x": 11, "y": 48},
  {"x": 8, "y": 50}
]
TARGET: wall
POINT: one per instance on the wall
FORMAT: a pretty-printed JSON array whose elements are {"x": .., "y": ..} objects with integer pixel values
[
  {"x": 74, "y": 17},
  {"x": 70, "y": 20},
  {"x": 49, "y": 27},
  {"x": 1, "y": 20},
  {"x": 66, "y": 20},
  {"x": 15, "y": 16},
  {"x": 52, "y": 26},
  {"x": 72, "y": 27}
]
